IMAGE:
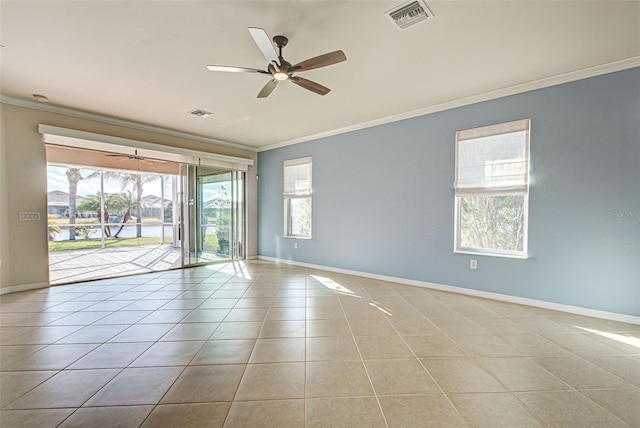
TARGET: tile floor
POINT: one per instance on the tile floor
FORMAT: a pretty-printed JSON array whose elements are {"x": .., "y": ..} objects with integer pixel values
[{"x": 258, "y": 344}]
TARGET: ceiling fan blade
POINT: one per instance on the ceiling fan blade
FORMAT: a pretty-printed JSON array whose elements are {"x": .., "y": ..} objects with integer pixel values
[
  {"x": 308, "y": 84},
  {"x": 265, "y": 45},
  {"x": 235, "y": 69},
  {"x": 268, "y": 88},
  {"x": 321, "y": 61}
]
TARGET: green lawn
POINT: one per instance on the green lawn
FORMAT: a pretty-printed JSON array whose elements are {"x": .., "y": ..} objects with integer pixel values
[{"x": 96, "y": 243}]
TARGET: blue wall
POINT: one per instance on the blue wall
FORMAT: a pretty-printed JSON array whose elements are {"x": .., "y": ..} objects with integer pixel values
[{"x": 383, "y": 197}]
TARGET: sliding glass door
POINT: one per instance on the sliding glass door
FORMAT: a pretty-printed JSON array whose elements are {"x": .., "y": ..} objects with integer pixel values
[{"x": 213, "y": 215}]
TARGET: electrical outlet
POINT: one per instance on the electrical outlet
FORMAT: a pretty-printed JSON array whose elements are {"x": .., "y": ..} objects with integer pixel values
[
  {"x": 295, "y": 245},
  {"x": 473, "y": 264}
]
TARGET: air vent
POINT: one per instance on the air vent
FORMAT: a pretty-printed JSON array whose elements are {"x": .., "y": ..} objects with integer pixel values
[
  {"x": 409, "y": 13},
  {"x": 200, "y": 113}
]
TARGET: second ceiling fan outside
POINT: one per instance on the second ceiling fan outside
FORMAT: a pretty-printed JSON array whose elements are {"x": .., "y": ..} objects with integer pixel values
[{"x": 279, "y": 68}]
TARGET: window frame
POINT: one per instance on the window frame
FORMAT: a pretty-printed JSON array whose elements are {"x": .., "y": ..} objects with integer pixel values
[
  {"x": 304, "y": 195},
  {"x": 458, "y": 248}
]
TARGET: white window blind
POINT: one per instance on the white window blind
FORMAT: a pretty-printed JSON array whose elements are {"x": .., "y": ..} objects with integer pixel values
[
  {"x": 493, "y": 159},
  {"x": 297, "y": 177}
]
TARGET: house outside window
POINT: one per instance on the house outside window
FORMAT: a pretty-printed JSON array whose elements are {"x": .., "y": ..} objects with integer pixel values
[
  {"x": 492, "y": 189},
  {"x": 297, "y": 198}
]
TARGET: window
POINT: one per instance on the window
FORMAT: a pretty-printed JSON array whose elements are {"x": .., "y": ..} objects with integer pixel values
[
  {"x": 297, "y": 198},
  {"x": 492, "y": 189}
]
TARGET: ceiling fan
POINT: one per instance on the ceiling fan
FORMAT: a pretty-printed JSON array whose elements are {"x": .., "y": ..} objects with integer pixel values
[
  {"x": 135, "y": 157},
  {"x": 279, "y": 68}
]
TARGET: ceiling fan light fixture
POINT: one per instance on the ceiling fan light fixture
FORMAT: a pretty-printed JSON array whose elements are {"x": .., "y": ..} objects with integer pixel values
[{"x": 280, "y": 75}]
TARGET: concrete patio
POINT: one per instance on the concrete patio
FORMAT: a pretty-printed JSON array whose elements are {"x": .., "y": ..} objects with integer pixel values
[{"x": 82, "y": 265}]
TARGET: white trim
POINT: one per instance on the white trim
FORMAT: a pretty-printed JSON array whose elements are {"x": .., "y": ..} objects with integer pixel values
[
  {"x": 24, "y": 287},
  {"x": 572, "y": 76},
  {"x": 594, "y": 313},
  {"x": 107, "y": 143},
  {"x": 51, "y": 108}
]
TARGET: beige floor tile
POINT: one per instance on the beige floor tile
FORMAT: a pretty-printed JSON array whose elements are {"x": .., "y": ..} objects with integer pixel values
[
  {"x": 494, "y": 411},
  {"x": 286, "y": 313},
  {"x": 457, "y": 324},
  {"x": 119, "y": 416},
  {"x": 11, "y": 354},
  {"x": 82, "y": 318},
  {"x": 272, "y": 382},
  {"x": 319, "y": 301},
  {"x": 165, "y": 316},
  {"x": 382, "y": 347},
  {"x": 498, "y": 325},
  {"x": 206, "y": 315},
  {"x": 434, "y": 346},
  {"x": 237, "y": 330},
  {"x": 134, "y": 386},
  {"x": 288, "y": 302},
  {"x": 201, "y": 415},
  {"x": 123, "y": 317},
  {"x": 413, "y": 326},
  {"x": 190, "y": 331},
  {"x": 521, "y": 374},
  {"x": 253, "y": 302},
  {"x": 15, "y": 384},
  {"x": 282, "y": 329},
  {"x": 218, "y": 303},
  {"x": 224, "y": 352},
  {"x": 52, "y": 357},
  {"x": 205, "y": 384},
  {"x": 111, "y": 355},
  {"x": 534, "y": 345},
  {"x": 266, "y": 414},
  {"x": 69, "y": 388},
  {"x": 337, "y": 379},
  {"x": 182, "y": 306},
  {"x": 344, "y": 413},
  {"x": 582, "y": 344},
  {"x": 331, "y": 349},
  {"x": 93, "y": 334},
  {"x": 621, "y": 402},
  {"x": 371, "y": 327},
  {"x": 537, "y": 324},
  {"x": 247, "y": 314},
  {"x": 400, "y": 377},
  {"x": 324, "y": 313},
  {"x": 628, "y": 368},
  {"x": 278, "y": 350},
  {"x": 572, "y": 370},
  {"x": 41, "y": 418},
  {"x": 142, "y": 333},
  {"x": 433, "y": 410},
  {"x": 42, "y": 335},
  {"x": 461, "y": 375},
  {"x": 484, "y": 345},
  {"x": 569, "y": 409},
  {"x": 168, "y": 354},
  {"x": 328, "y": 328}
]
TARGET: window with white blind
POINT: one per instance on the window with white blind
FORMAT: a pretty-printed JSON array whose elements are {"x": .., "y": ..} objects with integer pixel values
[
  {"x": 492, "y": 189},
  {"x": 297, "y": 198}
]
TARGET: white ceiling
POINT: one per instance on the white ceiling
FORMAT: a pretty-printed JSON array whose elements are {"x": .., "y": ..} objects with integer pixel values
[{"x": 144, "y": 61}]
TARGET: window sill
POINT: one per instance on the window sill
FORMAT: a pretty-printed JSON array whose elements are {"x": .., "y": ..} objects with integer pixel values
[
  {"x": 297, "y": 237},
  {"x": 492, "y": 254}
]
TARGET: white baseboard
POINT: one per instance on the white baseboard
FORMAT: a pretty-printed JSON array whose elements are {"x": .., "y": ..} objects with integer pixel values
[
  {"x": 595, "y": 313},
  {"x": 24, "y": 287}
]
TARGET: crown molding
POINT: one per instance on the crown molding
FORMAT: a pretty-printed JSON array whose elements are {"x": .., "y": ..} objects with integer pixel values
[
  {"x": 52, "y": 108},
  {"x": 559, "y": 79}
]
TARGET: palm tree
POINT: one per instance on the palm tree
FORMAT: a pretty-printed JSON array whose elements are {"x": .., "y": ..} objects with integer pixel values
[
  {"x": 74, "y": 175},
  {"x": 124, "y": 201},
  {"x": 137, "y": 181},
  {"x": 93, "y": 203}
]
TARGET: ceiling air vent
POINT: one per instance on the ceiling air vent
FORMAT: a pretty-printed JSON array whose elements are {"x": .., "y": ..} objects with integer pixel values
[
  {"x": 200, "y": 113},
  {"x": 409, "y": 13}
]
